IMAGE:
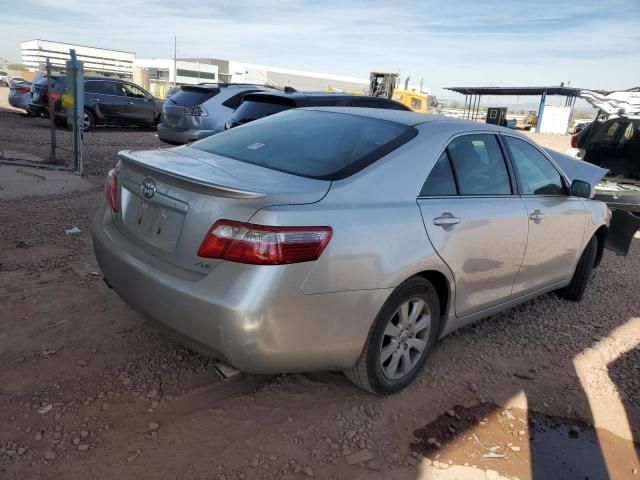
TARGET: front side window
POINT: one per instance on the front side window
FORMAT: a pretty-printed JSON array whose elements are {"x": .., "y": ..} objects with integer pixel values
[
  {"x": 308, "y": 143},
  {"x": 479, "y": 165},
  {"x": 536, "y": 173},
  {"x": 133, "y": 91},
  {"x": 441, "y": 180}
]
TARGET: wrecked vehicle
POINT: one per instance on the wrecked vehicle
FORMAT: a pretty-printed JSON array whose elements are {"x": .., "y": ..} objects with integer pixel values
[
  {"x": 345, "y": 238},
  {"x": 612, "y": 141}
]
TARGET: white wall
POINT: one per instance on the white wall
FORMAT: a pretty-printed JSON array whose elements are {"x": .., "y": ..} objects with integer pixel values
[
  {"x": 168, "y": 64},
  {"x": 242, "y": 72},
  {"x": 555, "y": 119},
  {"x": 35, "y": 53}
]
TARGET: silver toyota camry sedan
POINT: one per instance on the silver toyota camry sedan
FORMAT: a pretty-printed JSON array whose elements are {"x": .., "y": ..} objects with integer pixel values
[{"x": 344, "y": 238}]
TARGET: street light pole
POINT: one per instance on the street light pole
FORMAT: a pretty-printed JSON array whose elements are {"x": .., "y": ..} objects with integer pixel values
[{"x": 175, "y": 60}]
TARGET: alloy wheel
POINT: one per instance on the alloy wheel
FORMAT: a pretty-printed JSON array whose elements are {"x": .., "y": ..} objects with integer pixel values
[{"x": 405, "y": 338}]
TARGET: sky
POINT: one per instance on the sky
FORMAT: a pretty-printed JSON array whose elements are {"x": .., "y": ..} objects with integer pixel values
[{"x": 590, "y": 43}]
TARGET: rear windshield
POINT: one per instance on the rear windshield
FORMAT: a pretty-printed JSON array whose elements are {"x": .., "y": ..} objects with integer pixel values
[
  {"x": 190, "y": 96},
  {"x": 58, "y": 83},
  {"x": 251, "y": 110},
  {"x": 310, "y": 143}
]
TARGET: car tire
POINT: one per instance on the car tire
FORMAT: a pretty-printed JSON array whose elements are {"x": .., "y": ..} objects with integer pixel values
[
  {"x": 88, "y": 120},
  {"x": 575, "y": 290},
  {"x": 374, "y": 370}
]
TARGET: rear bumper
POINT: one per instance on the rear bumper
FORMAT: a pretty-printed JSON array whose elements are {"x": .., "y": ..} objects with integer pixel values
[
  {"x": 20, "y": 101},
  {"x": 171, "y": 135},
  {"x": 42, "y": 111},
  {"x": 254, "y": 317}
]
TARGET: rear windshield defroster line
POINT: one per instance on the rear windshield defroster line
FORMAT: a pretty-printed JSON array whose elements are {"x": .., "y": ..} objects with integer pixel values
[{"x": 310, "y": 143}]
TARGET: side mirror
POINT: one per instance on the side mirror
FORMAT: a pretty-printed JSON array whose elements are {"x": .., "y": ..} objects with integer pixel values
[{"x": 580, "y": 188}]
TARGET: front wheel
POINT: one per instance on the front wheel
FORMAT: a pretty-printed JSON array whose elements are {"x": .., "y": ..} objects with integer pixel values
[
  {"x": 88, "y": 121},
  {"x": 575, "y": 290},
  {"x": 401, "y": 338}
]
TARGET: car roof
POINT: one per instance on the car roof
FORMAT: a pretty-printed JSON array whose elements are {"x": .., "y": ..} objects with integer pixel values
[
  {"x": 411, "y": 118},
  {"x": 295, "y": 95}
]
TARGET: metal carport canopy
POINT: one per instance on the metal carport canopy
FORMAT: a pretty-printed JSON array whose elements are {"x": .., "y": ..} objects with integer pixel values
[
  {"x": 565, "y": 91},
  {"x": 474, "y": 94}
]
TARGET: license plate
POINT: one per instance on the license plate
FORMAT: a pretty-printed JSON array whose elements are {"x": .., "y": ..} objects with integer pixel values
[
  {"x": 35, "y": 96},
  {"x": 155, "y": 224}
]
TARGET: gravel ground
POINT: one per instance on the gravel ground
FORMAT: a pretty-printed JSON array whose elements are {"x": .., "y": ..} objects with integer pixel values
[{"x": 89, "y": 390}]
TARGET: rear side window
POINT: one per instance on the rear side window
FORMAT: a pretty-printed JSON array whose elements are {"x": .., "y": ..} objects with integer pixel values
[
  {"x": 235, "y": 101},
  {"x": 479, "y": 165},
  {"x": 392, "y": 105},
  {"x": 365, "y": 103},
  {"x": 190, "y": 96},
  {"x": 101, "y": 87},
  {"x": 58, "y": 83},
  {"x": 441, "y": 180},
  {"x": 536, "y": 173},
  {"x": 323, "y": 145},
  {"x": 251, "y": 110}
]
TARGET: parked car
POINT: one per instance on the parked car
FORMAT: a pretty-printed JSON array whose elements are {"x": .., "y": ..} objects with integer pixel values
[
  {"x": 20, "y": 95},
  {"x": 340, "y": 238},
  {"x": 259, "y": 105},
  {"x": 4, "y": 78},
  {"x": 198, "y": 111},
  {"x": 107, "y": 101}
]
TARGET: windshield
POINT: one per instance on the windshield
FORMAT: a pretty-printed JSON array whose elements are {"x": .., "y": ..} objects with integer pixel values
[{"x": 323, "y": 145}]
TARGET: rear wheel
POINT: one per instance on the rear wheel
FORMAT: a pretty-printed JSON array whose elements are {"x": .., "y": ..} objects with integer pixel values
[
  {"x": 400, "y": 340},
  {"x": 575, "y": 290}
]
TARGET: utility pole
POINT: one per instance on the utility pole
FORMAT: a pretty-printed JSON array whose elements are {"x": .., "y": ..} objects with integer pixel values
[
  {"x": 175, "y": 60},
  {"x": 52, "y": 115}
]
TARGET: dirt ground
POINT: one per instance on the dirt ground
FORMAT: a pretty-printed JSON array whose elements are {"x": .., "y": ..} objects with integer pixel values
[{"x": 89, "y": 390}]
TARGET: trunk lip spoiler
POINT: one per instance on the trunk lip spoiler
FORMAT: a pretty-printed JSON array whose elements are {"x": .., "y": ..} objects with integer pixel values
[{"x": 211, "y": 187}]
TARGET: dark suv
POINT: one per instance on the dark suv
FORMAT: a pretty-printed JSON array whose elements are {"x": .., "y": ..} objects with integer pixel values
[
  {"x": 106, "y": 101},
  {"x": 258, "y": 105}
]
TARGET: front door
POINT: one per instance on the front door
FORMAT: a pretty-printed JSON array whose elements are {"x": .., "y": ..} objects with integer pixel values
[
  {"x": 103, "y": 98},
  {"x": 474, "y": 221},
  {"x": 556, "y": 219},
  {"x": 139, "y": 107}
]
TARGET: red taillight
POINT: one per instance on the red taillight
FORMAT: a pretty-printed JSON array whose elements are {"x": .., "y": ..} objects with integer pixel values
[
  {"x": 55, "y": 96},
  {"x": 264, "y": 245},
  {"x": 111, "y": 189},
  {"x": 23, "y": 89},
  {"x": 574, "y": 140}
]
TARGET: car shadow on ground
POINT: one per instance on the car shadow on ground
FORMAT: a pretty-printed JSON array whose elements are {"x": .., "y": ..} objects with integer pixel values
[{"x": 593, "y": 353}]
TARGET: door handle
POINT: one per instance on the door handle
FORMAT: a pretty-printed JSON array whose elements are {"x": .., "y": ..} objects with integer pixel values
[
  {"x": 536, "y": 216},
  {"x": 129, "y": 103},
  {"x": 95, "y": 99},
  {"x": 446, "y": 220}
]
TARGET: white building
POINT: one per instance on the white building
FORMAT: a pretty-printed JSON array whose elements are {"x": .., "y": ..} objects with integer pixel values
[
  {"x": 100, "y": 60},
  {"x": 241, "y": 72},
  {"x": 232, "y": 71},
  {"x": 180, "y": 72}
]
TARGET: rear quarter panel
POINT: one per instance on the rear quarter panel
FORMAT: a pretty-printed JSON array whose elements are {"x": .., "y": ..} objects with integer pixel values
[{"x": 379, "y": 239}]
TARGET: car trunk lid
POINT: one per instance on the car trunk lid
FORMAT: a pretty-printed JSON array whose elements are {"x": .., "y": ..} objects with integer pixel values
[
  {"x": 175, "y": 110},
  {"x": 170, "y": 198}
]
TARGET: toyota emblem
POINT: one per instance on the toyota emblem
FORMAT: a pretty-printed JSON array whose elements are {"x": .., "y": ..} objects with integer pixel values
[{"x": 148, "y": 187}]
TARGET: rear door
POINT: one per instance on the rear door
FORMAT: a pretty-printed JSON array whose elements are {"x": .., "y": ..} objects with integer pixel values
[
  {"x": 103, "y": 98},
  {"x": 556, "y": 219},
  {"x": 475, "y": 220},
  {"x": 139, "y": 107}
]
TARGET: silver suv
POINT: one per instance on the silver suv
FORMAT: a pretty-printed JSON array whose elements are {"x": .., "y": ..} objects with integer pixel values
[{"x": 197, "y": 111}]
